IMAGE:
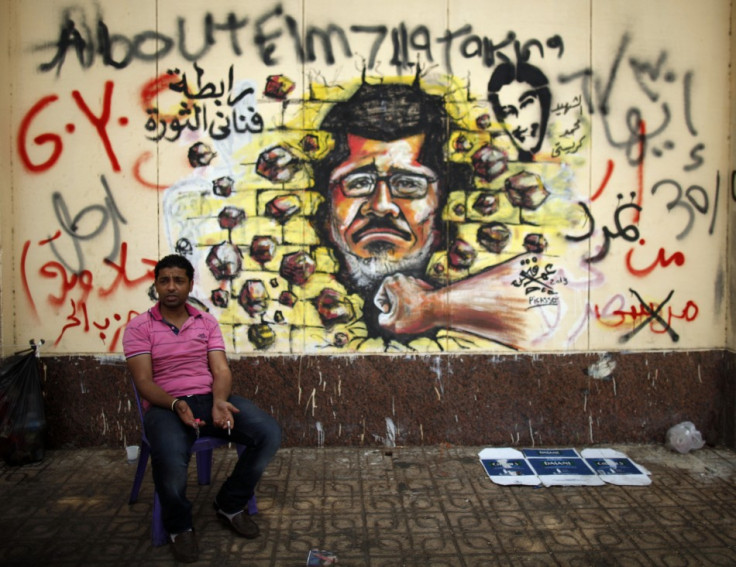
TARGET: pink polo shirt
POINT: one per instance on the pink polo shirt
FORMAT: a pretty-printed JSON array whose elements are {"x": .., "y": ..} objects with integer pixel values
[{"x": 180, "y": 362}]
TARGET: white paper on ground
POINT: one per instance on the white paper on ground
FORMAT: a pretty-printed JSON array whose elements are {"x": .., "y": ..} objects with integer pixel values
[
  {"x": 507, "y": 466},
  {"x": 615, "y": 467}
]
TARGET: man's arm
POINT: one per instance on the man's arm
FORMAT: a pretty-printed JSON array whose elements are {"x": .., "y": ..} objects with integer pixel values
[
  {"x": 222, "y": 410},
  {"x": 487, "y": 304},
  {"x": 141, "y": 368}
]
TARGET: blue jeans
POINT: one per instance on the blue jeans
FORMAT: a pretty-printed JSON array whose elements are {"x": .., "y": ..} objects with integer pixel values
[{"x": 171, "y": 441}]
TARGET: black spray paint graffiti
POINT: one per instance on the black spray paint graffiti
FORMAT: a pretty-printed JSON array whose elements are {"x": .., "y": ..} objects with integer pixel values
[
  {"x": 215, "y": 109},
  {"x": 653, "y": 314},
  {"x": 275, "y": 34},
  {"x": 598, "y": 93},
  {"x": 693, "y": 200},
  {"x": 105, "y": 213},
  {"x": 645, "y": 134},
  {"x": 628, "y": 232},
  {"x": 696, "y": 199}
]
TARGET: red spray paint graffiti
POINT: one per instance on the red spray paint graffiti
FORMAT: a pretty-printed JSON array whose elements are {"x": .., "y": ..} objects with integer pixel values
[{"x": 100, "y": 124}]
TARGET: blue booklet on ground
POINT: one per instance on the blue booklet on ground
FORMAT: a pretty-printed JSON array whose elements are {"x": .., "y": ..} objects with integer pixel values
[
  {"x": 615, "y": 467},
  {"x": 561, "y": 467},
  {"x": 507, "y": 466}
]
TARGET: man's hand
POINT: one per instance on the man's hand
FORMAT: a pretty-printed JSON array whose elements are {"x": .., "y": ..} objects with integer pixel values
[
  {"x": 182, "y": 409},
  {"x": 222, "y": 414},
  {"x": 407, "y": 305}
]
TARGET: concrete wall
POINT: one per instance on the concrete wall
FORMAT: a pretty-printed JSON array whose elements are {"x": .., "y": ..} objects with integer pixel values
[
  {"x": 618, "y": 223},
  {"x": 378, "y": 400}
]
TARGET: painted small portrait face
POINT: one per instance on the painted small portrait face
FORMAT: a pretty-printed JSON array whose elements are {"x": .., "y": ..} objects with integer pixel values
[
  {"x": 522, "y": 115},
  {"x": 383, "y": 204}
]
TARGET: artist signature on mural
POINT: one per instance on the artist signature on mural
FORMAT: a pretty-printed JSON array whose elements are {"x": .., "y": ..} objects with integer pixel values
[{"x": 539, "y": 282}]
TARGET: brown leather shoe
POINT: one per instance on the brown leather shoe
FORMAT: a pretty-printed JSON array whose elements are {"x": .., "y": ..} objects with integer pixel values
[
  {"x": 184, "y": 547},
  {"x": 241, "y": 523}
]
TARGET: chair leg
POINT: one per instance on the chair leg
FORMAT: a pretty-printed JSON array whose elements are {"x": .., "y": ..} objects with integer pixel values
[
  {"x": 204, "y": 466},
  {"x": 139, "y": 472},
  {"x": 252, "y": 506},
  {"x": 159, "y": 535}
]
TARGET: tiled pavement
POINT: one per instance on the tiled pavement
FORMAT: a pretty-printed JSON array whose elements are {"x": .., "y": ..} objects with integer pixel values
[{"x": 423, "y": 506}]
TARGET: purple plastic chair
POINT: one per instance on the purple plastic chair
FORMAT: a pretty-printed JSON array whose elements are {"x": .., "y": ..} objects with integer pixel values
[{"x": 202, "y": 449}]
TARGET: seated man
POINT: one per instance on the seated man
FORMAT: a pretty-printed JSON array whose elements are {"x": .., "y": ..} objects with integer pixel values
[{"x": 176, "y": 355}]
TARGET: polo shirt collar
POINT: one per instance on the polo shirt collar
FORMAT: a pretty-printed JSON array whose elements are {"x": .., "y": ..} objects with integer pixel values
[{"x": 155, "y": 311}]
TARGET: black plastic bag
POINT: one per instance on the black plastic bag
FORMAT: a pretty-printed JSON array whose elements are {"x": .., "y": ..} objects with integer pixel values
[{"x": 22, "y": 416}]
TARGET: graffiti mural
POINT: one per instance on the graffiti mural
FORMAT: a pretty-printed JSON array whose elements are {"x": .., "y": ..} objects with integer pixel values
[
  {"x": 411, "y": 181},
  {"x": 390, "y": 219}
]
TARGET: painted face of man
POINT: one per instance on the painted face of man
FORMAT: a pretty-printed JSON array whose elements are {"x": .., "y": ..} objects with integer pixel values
[
  {"x": 383, "y": 206},
  {"x": 173, "y": 287},
  {"x": 522, "y": 115}
]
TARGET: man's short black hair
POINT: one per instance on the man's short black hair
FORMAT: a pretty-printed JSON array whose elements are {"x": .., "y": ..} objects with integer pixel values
[
  {"x": 174, "y": 261},
  {"x": 507, "y": 73},
  {"x": 386, "y": 112}
]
